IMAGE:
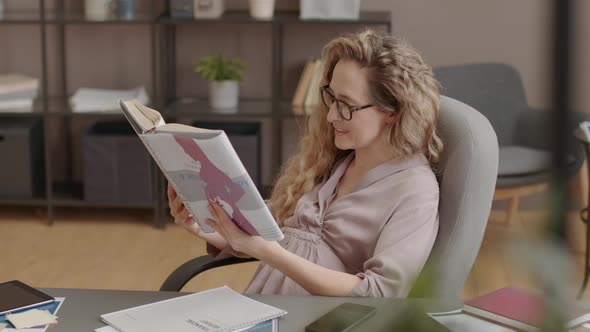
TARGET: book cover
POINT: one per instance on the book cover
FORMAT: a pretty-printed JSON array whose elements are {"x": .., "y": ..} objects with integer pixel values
[
  {"x": 518, "y": 308},
  {"x": 215, "y": 310},
  {"x": 202, "y": 167}
]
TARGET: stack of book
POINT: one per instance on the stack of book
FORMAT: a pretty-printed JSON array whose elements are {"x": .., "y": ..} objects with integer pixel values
[
  {"x": 105, "y": 100},
  {"x": 521, "y": 310},
  {"x": 18, "y": 92},
  {"x": 307, "y": 93},
  {"x": 215, "y": 310}
]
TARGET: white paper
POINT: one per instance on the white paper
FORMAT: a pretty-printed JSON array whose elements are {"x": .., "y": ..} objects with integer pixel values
[
  {"x": 216, "y": 310},
  {"x": 93, "y": 100},
  {"x": 31, "y": 318}
]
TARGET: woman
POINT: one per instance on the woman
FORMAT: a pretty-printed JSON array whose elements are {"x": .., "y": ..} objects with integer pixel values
[{"x": 358, "y": 202}]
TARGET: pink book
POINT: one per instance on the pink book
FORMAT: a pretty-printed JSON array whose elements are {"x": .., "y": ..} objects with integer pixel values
[{"x": 518, "y": 309}]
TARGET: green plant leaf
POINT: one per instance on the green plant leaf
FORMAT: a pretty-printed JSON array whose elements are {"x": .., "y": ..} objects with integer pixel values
[{"x": 220, "y": 68}]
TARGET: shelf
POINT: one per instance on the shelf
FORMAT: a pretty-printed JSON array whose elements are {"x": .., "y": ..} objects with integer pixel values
[
  {"x": 201, "y": 107},
  {"x": 288, "y": 17},
  {"x": 72, "y": 195},
  {"x": 23, "y": 201},
  {"x": 365, "y": 17},
  {"x": 230, "y": 16},
  {"x": 80, "y": 18},
  {"x": 24, "y": 16},
  {"x": 36, "y": 111}
]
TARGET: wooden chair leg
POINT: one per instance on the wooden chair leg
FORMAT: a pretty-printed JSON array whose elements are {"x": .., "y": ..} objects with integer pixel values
[
  {"x": 512, "y": 210},
  {"x": 582, "y": 181},
  {"x": 576, "y": 229}
]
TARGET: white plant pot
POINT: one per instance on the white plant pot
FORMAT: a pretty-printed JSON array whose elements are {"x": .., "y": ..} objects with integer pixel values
[
  {"x": 98, "y": 10},
  {"x": 224, "y": 95},
  {"x": 262, "y": 9}
]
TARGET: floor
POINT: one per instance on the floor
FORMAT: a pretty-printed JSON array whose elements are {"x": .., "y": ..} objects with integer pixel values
[{"x": 120, "y": 249}]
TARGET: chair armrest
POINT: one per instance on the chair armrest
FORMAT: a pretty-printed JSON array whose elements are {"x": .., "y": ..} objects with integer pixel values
[
  {"x": 535, "y": 130},
  {"x": 184, "y": 273}
]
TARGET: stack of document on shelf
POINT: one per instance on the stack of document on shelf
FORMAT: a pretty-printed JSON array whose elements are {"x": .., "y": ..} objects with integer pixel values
[
  {"x": 105, "y": 100},
  {"x": 215, "y": 310},
  {"x": 18, "y": 92},
  {"x": 36, "y": 319}
]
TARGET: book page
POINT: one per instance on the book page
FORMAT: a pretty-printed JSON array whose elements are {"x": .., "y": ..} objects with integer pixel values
[
  {"x": 142, "y": 118},
  {"x": 208, "y": 170}
]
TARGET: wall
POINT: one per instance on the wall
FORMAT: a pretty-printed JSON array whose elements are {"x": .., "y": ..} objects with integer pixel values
[
  {"x": 446, "y": 32},
  {"x": 514, "y": 32}
]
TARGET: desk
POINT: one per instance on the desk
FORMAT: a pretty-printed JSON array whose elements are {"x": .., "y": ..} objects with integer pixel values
[{"x": 82, "y": 308}]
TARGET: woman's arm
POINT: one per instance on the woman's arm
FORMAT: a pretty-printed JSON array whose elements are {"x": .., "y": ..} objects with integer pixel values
[{"x": 314, "y": 278}]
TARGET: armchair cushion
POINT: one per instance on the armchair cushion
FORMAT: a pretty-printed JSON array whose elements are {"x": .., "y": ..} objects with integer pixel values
[{"x": 520, "y": 160}]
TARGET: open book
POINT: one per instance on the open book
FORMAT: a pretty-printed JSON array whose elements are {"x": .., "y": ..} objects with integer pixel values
[{"x": 202, "y": 167}]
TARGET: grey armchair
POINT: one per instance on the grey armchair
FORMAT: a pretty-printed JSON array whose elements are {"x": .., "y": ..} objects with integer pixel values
[
  {"x": 496, "y": 91},
  {"x": 468, "y": 165}
]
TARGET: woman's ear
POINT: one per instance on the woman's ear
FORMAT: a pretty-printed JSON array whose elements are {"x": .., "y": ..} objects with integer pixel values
[{"x": 391, "y": 118}]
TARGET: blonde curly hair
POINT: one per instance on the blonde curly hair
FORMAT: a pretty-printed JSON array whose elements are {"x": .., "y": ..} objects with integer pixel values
[{"x": 400, "y": 82}]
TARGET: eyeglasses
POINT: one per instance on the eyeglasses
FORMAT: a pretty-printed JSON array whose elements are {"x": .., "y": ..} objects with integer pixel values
[{"x": 342, "y": 107}]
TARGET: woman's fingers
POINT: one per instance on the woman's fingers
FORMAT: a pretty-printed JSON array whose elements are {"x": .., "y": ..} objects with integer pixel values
[
  {"x": 190, "y": 225},
  {"x": 171, "y": 193},
  {"x": 181, "y": 215}
]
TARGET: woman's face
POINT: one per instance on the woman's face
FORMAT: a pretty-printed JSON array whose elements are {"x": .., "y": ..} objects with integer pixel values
[{"x": 367, "y": 126}]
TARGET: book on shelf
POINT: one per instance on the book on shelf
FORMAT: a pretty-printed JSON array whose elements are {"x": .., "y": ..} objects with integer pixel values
[
  {"x": 303, "y": 85},
  {"x": 203, "y": 167},
  {"x": 519, "y": 309},
  {"x": 312, "y": 97},
  {"x": 215, "y": 310}
]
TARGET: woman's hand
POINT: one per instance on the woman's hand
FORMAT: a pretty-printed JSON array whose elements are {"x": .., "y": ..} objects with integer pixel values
[
  {"x": 239, "y": 241},
  {"x": 184, "y": 219}
]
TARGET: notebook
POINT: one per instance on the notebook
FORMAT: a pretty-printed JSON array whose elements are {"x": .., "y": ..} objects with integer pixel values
[
  {"x": 215, "y": 310},
  {"x": 519, "y": 309}
]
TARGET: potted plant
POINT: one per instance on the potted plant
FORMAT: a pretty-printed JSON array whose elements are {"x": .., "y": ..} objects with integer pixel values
[{"x": 224, "y": 75}]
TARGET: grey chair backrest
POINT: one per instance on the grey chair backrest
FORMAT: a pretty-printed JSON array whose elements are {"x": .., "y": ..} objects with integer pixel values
[
  {"x": 469, "y": 167},
  {"x": 494, "y": 89}
]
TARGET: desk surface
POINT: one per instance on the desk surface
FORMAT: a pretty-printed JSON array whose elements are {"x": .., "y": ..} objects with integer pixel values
[{"x": 82, "y": 308}]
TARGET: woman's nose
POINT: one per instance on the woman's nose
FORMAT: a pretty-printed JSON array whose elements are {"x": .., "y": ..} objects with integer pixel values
[{"x": 333, "y": 113}]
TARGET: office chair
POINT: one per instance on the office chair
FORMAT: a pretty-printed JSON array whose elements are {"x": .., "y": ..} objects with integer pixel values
[
  {"x": 524, "y": 134},
  {"x": 468, "y": 166}
]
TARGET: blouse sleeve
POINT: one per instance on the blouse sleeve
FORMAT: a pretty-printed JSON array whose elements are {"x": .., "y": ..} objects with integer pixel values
[{"x": 401, "y": 250}]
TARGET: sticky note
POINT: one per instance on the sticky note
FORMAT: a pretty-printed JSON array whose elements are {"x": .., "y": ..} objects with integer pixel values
[{"x": 31, "y": 318}]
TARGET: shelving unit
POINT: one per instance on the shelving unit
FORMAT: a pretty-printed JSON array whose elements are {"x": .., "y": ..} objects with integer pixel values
[{"x": 271, "y": 109}]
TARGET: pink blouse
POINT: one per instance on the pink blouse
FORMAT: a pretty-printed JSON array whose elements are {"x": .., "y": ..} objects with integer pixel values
[{"x": 382, "y": 231}]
